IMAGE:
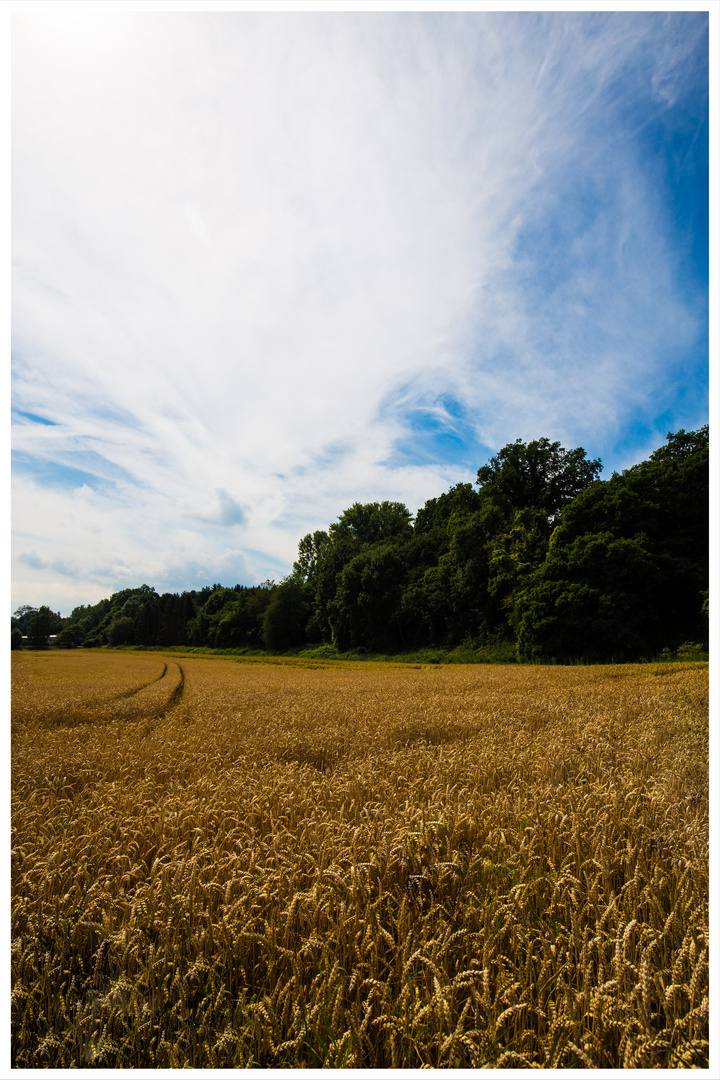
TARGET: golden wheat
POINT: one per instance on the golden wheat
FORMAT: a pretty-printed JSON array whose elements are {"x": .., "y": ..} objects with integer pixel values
[{"x": 229, "y": 864}]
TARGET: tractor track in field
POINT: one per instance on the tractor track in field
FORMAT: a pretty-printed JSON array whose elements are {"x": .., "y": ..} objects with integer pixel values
[
  {"x": 156, "y": 699},
  {"x": 151, "y": 701},
  {"x": 139, "y": 689}
]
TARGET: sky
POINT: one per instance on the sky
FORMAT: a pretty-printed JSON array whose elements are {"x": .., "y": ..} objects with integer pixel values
[{"x": 267, "y": 264}]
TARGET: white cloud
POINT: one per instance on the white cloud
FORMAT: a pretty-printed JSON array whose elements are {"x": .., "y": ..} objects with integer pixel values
[
  {"x": 237, "y": 235},
  {"x": 196, "y": 224}
]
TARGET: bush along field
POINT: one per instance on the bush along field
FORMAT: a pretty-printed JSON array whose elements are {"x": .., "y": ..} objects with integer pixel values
[{"x": 225, "y": 863}]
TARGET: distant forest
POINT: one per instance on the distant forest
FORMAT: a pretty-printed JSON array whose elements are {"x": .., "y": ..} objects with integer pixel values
[{"x": 538, "y": 560}]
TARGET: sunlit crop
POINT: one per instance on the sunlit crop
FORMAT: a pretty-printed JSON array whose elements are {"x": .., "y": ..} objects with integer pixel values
[{"x": 233, "y": 864}]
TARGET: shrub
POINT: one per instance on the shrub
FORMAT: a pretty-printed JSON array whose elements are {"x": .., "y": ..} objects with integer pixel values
[{"x": 692, "y": 650}]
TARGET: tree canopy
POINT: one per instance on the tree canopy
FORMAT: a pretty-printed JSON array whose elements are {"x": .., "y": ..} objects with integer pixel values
[
  {"x": 539, "y": 475},
  {"x": 540, "y": 554}
]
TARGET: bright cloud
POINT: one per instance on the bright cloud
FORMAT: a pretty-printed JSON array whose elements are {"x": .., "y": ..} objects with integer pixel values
[{"x": 269, "y": 264}]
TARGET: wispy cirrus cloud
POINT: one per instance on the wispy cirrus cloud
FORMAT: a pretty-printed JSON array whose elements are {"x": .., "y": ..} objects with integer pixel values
[{"x": 269, "y": 264}]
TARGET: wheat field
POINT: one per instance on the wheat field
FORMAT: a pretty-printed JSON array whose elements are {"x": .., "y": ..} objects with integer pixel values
[{"x": 221, "y": 863}]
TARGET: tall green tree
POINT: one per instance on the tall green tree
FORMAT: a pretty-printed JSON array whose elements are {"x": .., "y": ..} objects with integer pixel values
[
  {"x": 40, "y": 627},
  {"x": 285, "y": 618},
  {"x": 539, "y": 475},
  {"x": 593, "y": 600},
  {"x": 22, "y": 618},
  {"x": 72, "y": 635},
  {"x": 311, "y": 552},
  {"x": 368, "y": 523},
  {"x": 524, "y": 491},
  {"x": 428, "y": 602},
  {"x": 323, "y": 558},
  {"x": 365, "y": 611},
  {"x": 121, "y": 631},
  {"x": 626, "y": 573}
]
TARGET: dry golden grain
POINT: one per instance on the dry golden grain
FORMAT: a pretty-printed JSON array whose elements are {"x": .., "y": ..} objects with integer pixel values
[{"x": 367, "y": 866}]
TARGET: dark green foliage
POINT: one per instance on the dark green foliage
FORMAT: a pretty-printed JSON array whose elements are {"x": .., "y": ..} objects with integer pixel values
[
  {"x": 437, "y": 515},
  {"x": 22, "y": 618},
  {"x": 174, "y": 614},
  {"x": 368, "y": 523},
  {"x": 365, "y": 611},
  {"x": 594, "y": 600},
  {"x": 311, "y": 551},
  {"x": 16, "y": 638},
  {"x": 40, "y": 628},
  {"x": 543, "y": 561},
  {"x": 121, "y": 631},
  {"x": 540, "y": 475},
  {"x": 323, "y": 558},
  {"x": 626, "y": 573},
  {"x": 230, "y": 618},
  {"x": 286, "y": 615},
  {"x": 37, "y": 624},
  {"x": 71, "y": 636}
]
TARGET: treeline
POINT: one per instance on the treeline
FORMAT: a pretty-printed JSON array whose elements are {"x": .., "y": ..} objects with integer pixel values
[
  {"x": 213, "y": 616},
  {"x": 539, "y": 558}
]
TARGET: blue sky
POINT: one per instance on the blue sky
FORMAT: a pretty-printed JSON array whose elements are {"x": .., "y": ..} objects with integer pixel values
[{"x": 267, "y": 264}]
